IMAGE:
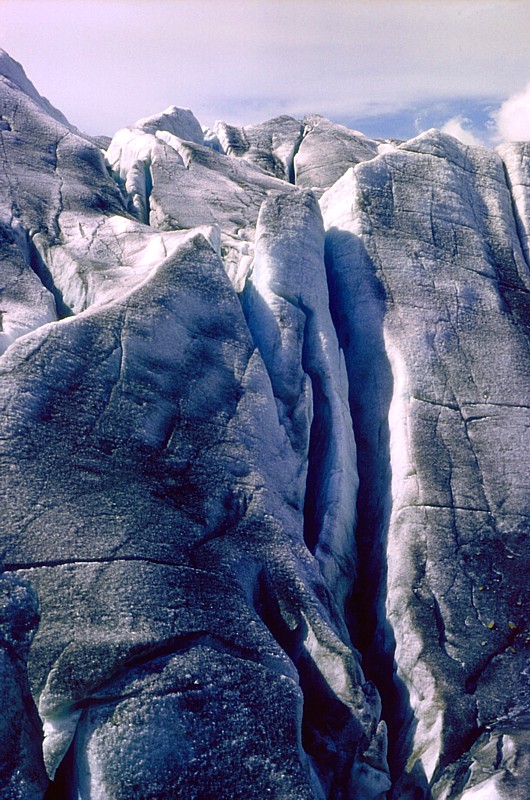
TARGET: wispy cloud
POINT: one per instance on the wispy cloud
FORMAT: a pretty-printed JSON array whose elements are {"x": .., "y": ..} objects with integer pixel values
[
  {"x": 462, "y": 128},
  {"x": 513, "y": 117},
  {"x": 509, "y": 121},
  {"x": 105, "y": 64}
]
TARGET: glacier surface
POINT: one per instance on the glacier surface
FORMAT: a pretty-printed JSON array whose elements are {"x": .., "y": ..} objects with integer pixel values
[{"x": 264, "y": 440}]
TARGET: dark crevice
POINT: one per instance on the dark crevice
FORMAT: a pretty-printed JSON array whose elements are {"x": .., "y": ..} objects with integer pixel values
[
  {"x": 63, "y": 785},
  {"x": 367, "y": 367},
  {"x": 65, "y": 562},
  {"x": 332, "y": 737},
  {"x": 118, "y": 181},
  {"x": 462, "y": 754},
  {"x": 37, "y": 264},
  {"x": 235, "y": 142},
  {"x": 360, "y": 335},
  {"x": 319, "y": 445},
  {"x": 460, "y": 778},
  {"x": 137, "y": 201},
  {"x": 291, "y": 176},
  {"x": 148, "y": 191},
  {"x": 319, "y": 441},
  {"x": 474, "y": 678},
  {"x": 440, "y": 626},
  {"x": 499, "y": 755}
]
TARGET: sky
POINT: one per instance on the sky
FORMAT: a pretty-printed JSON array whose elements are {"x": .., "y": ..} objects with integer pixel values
[{"x": 389, "y": 68}]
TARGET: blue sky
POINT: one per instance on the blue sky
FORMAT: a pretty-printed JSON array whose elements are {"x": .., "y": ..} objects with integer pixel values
[{"x": 389, "y": 68}]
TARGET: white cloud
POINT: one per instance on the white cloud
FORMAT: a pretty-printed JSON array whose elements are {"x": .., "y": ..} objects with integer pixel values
[
  {"x": 461, "y": 128},
  {"x": 513, "y": 117}
]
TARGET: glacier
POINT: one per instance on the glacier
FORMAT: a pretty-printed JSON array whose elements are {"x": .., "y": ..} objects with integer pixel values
[{"x": 265, "y": 426}]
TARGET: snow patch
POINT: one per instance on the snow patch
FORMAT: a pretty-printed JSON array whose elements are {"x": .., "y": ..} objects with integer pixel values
[
  {"x": 404, "y": 483},
  {"x": 386, "y": 147},
  {"x": 59, "y": 732}
]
